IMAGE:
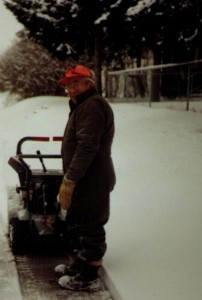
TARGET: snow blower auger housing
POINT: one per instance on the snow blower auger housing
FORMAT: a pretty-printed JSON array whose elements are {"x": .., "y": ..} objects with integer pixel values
[{"x": 36, "y": 221}]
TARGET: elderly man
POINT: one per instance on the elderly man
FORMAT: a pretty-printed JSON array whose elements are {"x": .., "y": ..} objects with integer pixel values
[{"x": 89, "y": 178}]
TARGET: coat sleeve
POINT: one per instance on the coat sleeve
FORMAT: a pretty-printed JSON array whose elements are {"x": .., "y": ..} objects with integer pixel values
[{"x": 90, "y": 124}]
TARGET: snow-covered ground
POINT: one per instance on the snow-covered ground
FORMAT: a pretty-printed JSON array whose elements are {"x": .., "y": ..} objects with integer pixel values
[{"x": 154, "y": 233}]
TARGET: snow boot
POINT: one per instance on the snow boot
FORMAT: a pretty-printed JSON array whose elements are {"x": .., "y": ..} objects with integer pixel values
[
  {"x": 86, "y": 280},
  {"x": 71, "y": 268}
]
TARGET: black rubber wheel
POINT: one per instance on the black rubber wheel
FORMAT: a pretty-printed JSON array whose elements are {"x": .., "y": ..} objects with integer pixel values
[{"x": 18, "y": 234}]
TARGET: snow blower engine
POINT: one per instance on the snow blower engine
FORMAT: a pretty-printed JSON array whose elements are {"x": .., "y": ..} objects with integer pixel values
[{"x": 36, "y": 214}]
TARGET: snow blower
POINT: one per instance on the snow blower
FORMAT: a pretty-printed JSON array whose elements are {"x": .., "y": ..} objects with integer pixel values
[{"x": 35, "y": 221}]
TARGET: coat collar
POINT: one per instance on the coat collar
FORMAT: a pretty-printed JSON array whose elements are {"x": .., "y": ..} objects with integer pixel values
[{"x": 81, "y": 98}]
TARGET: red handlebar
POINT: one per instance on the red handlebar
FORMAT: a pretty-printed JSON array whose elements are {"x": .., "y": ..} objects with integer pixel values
[{"x": 35, "y": 138}]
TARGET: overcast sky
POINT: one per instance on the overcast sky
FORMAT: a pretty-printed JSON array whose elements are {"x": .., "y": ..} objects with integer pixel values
[{"x": 8, "y": 27}]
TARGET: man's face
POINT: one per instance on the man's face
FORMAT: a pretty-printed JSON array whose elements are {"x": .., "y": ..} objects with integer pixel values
[{"x": 77, "y": 86}]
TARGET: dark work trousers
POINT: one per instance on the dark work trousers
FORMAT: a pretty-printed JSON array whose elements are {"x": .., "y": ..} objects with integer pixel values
[{"x": 87, "y": 242}]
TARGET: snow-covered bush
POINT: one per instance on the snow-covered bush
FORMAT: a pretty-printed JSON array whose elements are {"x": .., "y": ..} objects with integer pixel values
[{"x": 27, "y": 69}]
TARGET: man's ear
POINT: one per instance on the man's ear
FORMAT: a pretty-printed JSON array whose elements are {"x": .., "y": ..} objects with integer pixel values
[{"x": 90, "y": 84}]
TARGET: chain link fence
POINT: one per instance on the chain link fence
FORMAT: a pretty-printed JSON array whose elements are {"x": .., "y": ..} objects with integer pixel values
[{"x": 169, "y": 82}]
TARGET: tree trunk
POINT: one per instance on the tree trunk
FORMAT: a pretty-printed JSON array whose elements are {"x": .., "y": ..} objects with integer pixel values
[{"x": 98, "y": 61}]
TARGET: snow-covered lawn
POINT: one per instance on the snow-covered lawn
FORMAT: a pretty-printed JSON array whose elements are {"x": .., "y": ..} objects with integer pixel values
[{"x": 154, "y": 234}]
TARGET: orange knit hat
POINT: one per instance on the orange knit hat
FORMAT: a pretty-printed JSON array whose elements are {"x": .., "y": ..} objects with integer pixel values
[{"x": 76, "y": 72}]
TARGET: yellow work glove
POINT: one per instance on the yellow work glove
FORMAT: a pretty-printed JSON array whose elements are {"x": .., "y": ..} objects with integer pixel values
[{"x": 66, "y": 192}]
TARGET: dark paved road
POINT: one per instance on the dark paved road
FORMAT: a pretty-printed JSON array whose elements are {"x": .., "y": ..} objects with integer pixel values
[{"x": 38, "y": 281}]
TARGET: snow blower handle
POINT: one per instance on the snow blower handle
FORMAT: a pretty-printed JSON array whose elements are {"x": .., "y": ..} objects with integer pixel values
[
  {"x": 30, "y": 138},
  {"x": 41, "y": 160}
]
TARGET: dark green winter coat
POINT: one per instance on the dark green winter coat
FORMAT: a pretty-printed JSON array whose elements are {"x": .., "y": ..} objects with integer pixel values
[{"x": 86, "y": 153}]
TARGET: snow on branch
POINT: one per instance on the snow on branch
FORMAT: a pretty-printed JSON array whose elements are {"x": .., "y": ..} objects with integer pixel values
[
  {"x": 102, "y": 18},
  {"x": 116, "y": 4},
  {"x": 192, "y": 36},
  {"x": 105, "y": 15},
  {"x": 141, "y": 5}
]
